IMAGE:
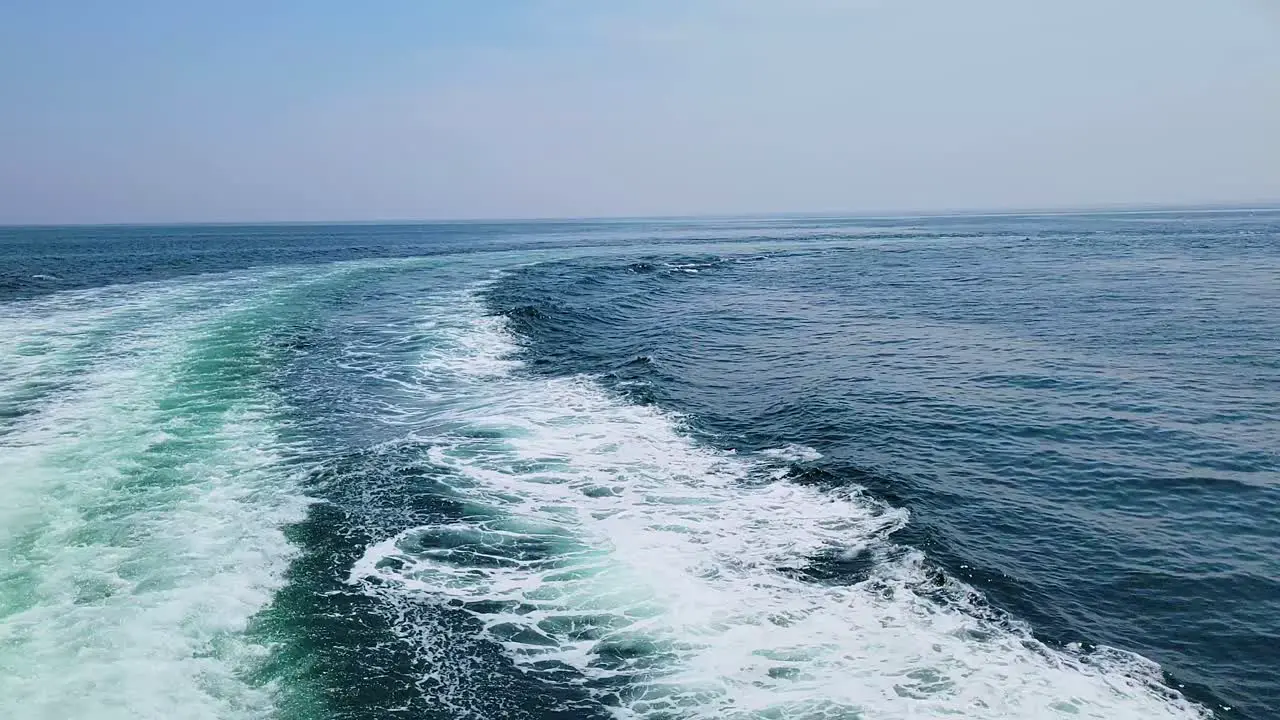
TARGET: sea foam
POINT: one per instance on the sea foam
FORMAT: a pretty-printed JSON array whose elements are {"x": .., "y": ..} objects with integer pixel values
[
  {"x": 673, "y": 579},
  {"x": 141, "y": 508}
]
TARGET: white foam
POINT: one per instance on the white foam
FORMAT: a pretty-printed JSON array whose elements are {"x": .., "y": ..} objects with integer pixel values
[
  {"x": 794, "y": 453},
  {"x": 138, "y": 533},
  {"x": 54, "y": 338},
  {"x": 604, "y": 539}
]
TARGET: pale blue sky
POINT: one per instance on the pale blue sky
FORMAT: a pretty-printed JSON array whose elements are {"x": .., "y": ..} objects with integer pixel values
[{"x": 155, "y": 111}]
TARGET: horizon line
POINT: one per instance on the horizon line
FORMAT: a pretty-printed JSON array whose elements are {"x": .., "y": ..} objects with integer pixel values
[{"x": 1118, "y": 209}]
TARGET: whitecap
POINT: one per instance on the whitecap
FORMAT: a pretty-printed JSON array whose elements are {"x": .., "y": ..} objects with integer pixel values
[{"x": 793, "y": 453}]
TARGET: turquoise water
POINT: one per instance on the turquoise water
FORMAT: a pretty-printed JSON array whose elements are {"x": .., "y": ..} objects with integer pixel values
[{"x": 1018, "y": 467}]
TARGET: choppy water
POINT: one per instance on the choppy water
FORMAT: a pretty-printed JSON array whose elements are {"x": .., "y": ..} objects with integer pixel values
[{"x": 1015, "y": 467}]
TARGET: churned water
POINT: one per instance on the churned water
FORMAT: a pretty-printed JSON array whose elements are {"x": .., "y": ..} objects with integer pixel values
[{"x": 981, "y": 467}]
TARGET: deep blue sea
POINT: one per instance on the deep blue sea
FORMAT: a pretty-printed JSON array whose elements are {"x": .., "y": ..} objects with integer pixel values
[{"x": 811, "y": 469}]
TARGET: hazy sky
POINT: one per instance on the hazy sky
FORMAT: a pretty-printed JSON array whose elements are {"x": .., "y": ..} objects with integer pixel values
[{"x": 156, "y": 110}]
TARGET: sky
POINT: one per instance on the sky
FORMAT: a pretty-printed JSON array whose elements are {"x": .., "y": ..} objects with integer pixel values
[{"x": 161, "y": 111}]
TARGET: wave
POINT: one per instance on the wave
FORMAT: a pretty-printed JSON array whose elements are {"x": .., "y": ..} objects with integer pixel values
[
  {"x": 601, "y": 547},
  {"x": 143, "y": 501}
]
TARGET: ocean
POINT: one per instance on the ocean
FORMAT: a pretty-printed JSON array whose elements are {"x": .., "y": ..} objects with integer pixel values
[{"x": 800, "y": 468}]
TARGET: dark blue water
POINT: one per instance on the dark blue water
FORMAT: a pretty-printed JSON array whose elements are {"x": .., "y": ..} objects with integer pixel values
[{"x": 993, "y": 467}]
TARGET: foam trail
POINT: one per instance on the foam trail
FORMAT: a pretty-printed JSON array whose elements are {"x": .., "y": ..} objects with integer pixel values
[
  {"x": 671, "y": 578},
  {"x": 141, "y": 506}
]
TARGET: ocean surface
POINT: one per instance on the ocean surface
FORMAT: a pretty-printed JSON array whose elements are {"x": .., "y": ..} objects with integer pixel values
[{"x": 811, "y": 469}]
